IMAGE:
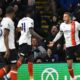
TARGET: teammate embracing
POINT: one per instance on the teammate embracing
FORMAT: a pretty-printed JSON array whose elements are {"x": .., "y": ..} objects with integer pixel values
[{"x": 70, "y": 29}]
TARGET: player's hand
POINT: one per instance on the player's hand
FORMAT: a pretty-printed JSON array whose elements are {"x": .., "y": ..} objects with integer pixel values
[
  {"x": 50, "y": 44},
  {"x": 7, "y": 54}
]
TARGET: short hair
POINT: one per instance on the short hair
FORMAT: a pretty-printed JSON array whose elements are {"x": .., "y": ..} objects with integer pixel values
[
  {"x": 29, "y": 10},
  {"x": 9, "y": 9},
  {"x": 34, "y": 37},
  {"x": 68, "y": 13}
]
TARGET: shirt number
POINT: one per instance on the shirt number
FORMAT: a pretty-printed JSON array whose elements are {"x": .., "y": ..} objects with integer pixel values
[
  {"x": 23, "y": 27},
  {"x": 0, "y": 30}
]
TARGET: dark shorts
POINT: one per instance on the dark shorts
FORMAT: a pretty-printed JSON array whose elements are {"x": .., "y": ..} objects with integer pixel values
[
  {"x": 25, "y": 50},
  {"x": 72, "y": 52},
  {"x": 12, "y": 58}
]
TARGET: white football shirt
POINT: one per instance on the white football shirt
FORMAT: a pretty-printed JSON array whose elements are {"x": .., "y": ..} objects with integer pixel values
[
  {"x": 7, "y": 23},
  {"x": 2, "y": 45},
  {"x": 71, "y": 33},
  {"x": 25, "y": 23}
]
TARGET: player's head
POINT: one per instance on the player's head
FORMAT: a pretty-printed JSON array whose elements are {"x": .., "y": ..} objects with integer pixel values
[
  {"x": 10, "y": 11},
  {"x": 29, "y": 12},
  {"x": 67, "y": 17}
]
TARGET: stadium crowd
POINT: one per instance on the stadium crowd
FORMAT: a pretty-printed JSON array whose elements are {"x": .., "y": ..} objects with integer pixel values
[
  {"x": 39, "y": 47},
  {"x": 32, "y": 43}
]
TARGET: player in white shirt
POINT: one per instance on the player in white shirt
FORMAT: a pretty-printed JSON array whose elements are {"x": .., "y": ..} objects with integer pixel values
[
  {"x": 7, "y": 42},
  {"x": 25, "y": 23},
  {"x": 2, "y": 46},
  {"x": 70, "y": 29},
  {"x": 26, "y": 28}
]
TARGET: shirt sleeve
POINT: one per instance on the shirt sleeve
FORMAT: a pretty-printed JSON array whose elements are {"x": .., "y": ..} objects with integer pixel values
[
  {"x": 31, "y": 24},
  {"x": 58, "y": 36},
  {"x": 19, "y": 24},
  {"x": 6, "y": 24},
  {"x": 78, "y": 25},
  {"x": 61, "y": 27}
]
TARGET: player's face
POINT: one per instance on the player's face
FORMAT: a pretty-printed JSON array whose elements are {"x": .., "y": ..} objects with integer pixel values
[{"x": 66, "y": 18}]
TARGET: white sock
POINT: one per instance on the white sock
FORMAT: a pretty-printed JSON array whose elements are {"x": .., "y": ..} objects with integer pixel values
[{"x": 8, "y": 75}]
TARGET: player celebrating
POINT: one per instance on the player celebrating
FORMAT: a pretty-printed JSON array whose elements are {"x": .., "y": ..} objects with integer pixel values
[
  {"x": 7, "y": 44},
  {"x": 70, "y": 30},
  {"x": 26, "y": 27}
]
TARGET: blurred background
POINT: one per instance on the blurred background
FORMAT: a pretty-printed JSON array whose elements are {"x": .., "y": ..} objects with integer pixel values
[{"x": 47, "y": 15}]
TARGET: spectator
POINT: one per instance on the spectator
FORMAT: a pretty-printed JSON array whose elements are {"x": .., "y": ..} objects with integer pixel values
[
  {"x": 38, "y": 60},
  {"x": 31, "y": 2},
  {"x": 51, "y": 57},
  {"x": 16, "y": 7},
  {"x": 52, "y": 5},
  {"x": 38, "y": 51},
  {"x": 52, "y": 33},
  {"x": 52, "y": 22},
  {"x": 58, "y": 47}
]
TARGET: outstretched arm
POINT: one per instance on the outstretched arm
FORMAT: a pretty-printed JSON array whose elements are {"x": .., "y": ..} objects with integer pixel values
[
  {"x": 35, "y": 34},
  {"x": 58, "y": 36}
]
